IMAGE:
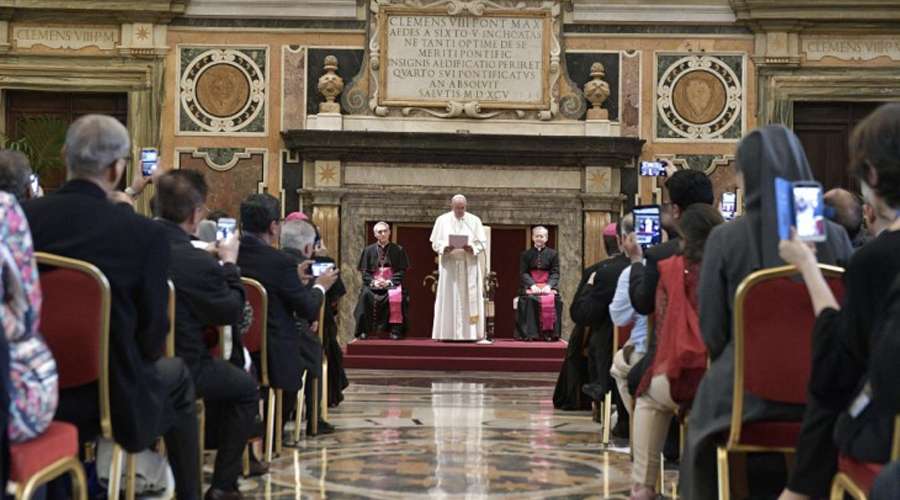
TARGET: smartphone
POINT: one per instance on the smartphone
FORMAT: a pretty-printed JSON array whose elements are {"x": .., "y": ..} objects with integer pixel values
[
  {"x": 225, "y": 228},
  {"x": 647, "y": 225},
  {"x": 809, "y": 210},
  {"x": 149, "y": 161},
  {"x": 800, "y": 204},
  {"x": 320, "y": 267},
  {"x": 35, "y": 184},
  {"x": 728, "y": 205},
  {"x": 653, "y": 169}
]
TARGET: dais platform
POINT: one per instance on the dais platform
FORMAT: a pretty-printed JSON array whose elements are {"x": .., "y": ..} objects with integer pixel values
[{"x": 426, "y": 354}]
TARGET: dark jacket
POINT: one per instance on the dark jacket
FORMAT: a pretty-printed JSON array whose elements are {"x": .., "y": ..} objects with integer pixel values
[
  {"x": 592, "y": 308},
  {"x": 277, "y": 272},
  {"x": 206, "y": 294},
  {"x": 77, "y": 221},
  {"x": 645, "y": 277}
]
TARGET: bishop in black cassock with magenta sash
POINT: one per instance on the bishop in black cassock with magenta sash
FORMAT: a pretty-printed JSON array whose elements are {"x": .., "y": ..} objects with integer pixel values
[
  {"x": 382, "y": 302},
  {"x": 539, "y": 306}
]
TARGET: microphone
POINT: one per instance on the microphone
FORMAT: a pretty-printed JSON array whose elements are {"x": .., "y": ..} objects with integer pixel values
[{"x": 206, "y": 231}]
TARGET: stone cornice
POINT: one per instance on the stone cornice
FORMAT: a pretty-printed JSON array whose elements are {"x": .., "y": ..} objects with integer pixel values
[
  {"x": 153, "y": 11},
  {"x": 408, "y": 147},
  {"x": 768, "y": 14},
  {"x": 606, "y": 12},
  {"x": 278, "y": 9}
]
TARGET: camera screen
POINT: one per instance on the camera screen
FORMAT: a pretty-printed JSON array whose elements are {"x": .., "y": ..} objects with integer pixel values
[
  {"x": 728, "y": 205},
  {"x": 149, "y": 161},
  {"x": 647, "y": 226},
  {"x": 320, "y": 267},
  {"x": 809, "y": 217},
  {"x": 653, "y": 168},
  {"x": 225, "y": 228}
]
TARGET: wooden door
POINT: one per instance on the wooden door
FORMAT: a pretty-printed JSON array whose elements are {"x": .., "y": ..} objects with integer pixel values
[{"x": 824, "y": 128}]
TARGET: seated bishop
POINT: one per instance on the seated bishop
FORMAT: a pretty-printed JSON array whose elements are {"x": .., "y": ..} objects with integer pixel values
[
  {"x": 539, "y": 306},
  {"x": 382, "y": 302}
]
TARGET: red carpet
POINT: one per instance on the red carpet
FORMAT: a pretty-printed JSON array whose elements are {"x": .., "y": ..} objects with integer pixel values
[{"x": 426, "y": 354}]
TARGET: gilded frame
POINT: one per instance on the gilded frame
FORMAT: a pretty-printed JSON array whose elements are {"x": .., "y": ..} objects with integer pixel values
[{"x": 544, "y": 15}]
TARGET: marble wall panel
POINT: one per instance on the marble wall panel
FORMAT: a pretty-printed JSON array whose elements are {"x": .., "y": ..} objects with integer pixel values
[
  {"x": 631, "y": 94},
  {"x": 227, "y": 187},
  {"x": 293, "y": 85}
]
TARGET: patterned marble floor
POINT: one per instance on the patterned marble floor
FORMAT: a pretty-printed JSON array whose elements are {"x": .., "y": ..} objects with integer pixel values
[{"x": 408, "y": 434}]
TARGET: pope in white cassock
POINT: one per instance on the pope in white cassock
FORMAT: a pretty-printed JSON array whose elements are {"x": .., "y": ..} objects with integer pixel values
[{"x": 459, "y": 304}]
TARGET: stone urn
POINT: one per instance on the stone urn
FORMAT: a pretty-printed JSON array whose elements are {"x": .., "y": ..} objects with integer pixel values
[
  {"x": 330, "y": 86},
  {"x": 596, "y": 91}
]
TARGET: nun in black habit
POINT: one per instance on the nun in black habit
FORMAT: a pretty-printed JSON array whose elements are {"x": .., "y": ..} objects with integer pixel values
[{"x": 733, "y": 251}]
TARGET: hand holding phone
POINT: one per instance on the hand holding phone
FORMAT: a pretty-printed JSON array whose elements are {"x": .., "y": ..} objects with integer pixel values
[
  {"x": 319, "y": 268},
  {"x": 225, "y": 228},
  {"x": 647, "y": 225},
  {"x": 801, "y": 205},
  {"x": 149, "y": 161}
]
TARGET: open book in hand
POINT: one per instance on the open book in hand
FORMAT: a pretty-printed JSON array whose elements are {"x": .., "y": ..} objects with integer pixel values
[{"x": 458, "y": 240}]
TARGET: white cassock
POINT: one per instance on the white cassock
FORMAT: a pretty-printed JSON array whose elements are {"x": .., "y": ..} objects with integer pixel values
[{"x": 459, "y": 304}]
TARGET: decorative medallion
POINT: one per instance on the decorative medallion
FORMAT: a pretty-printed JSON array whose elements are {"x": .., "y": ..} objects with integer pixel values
[
  {"x": 700, "y": 97},
  {"x": 223, "y": 90}
]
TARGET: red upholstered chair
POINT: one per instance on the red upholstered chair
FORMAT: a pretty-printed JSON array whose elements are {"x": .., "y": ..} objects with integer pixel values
[
  {"x": 773, "y": 323},
  {"x": 255, "y": 341},
  {"x": 75, "y": 324},
  {"x": 621, "y": 334},
  {"x": 856, "y": 478},
  {"x": 45, "y": 458}
]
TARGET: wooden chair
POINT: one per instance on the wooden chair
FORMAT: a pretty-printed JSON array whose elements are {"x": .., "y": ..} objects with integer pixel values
[
  {"x": 620, "y": 337},
  {"x": 856, "y": 478},
  {"x": 200, "y": 406},
  {"x": 255, "y": 341},
  {"x": 773, "y": 323},
  {"x": 46, "y": 457},
  {"x": 75, "y": 323}
]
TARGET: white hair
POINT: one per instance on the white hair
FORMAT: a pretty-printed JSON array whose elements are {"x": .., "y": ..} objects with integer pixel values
[
  {"x": 93, "y": 143},
  {"x": 380, "y": 224},
  {"x": 458, "y": 197},
  {"x": 297, "y": 234},
  {"x": 540, "y": 229}
]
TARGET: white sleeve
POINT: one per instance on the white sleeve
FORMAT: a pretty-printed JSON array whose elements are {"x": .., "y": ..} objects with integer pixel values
[{"x": 620, "y": 310}]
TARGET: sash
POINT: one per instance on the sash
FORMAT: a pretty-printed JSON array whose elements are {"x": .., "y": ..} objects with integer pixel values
[
  {"x": 548, "y": 301},
  {"x": 395, "y": 296}
]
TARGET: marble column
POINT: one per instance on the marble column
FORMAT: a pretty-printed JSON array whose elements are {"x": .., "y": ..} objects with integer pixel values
[
  {"x": 326, "y": 216},
  {"x": 594, "y": 223}
]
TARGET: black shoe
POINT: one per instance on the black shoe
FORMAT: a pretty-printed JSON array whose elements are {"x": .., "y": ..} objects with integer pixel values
[
  {"x": 257, "y": 468},
  {"x": 593, "y": 391},
  {"x": 620, "y": 430},
  {"x": 363, "y": 336},
  {"x": 324, "y": 428},
  {"x": 217, "y": 494}
]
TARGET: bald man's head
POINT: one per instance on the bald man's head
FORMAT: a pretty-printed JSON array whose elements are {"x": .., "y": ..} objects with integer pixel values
[{"x": 848, "y": 210}]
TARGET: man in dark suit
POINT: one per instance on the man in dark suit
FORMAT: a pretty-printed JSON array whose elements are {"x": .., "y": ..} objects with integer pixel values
[
  {"x": 289, "y": 299},
  {"x": 592, "y": 308},
  {"x": 208, "y": 293},
  {"x": 149, "y": 395}
]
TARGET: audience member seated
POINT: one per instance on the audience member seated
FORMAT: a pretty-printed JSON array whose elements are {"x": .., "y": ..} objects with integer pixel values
[
  {"x": 539, "y": 306},
  {"x": 16, "y": 176},
  {"x": 383, "y": 301},
  {"x": 280, "y": 275},
  {"x": 844, "y": 403},
  {"x": 573, "y": 375},
  {"x": 623, "y": 315},
  {"x": 33, "y": 380},
  {"x": 846, "y": 209},
  {"x": 733, "y": 251},
  {"x": 337, "y": 377},
  {"x": 298, "y": 241},
  {"x": 208, "y": 293},
  {"x": 149, "y": 395},
  {"x": 679, "y": 361},
  {"x": 592, "y": 309}
]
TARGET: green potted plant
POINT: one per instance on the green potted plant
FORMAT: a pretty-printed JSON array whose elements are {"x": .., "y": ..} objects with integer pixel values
[{"x": 41, "y": 139}]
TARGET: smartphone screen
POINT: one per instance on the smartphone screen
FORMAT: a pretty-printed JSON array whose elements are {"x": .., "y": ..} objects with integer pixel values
[
  {"x": 653, "y": 169},
  {"x": 149, "y": 161},
  {"x": 35, "y": 184},
  {"x": 225, "y": 228},
  {"x": 784, "y": 208},
  {"x": 647, "y": 227},
  {"x": 320, "y": 267},
  {"x": 809, "y": 211},
  {"x": 728, "y": 205}
]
